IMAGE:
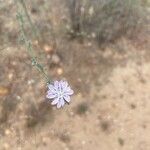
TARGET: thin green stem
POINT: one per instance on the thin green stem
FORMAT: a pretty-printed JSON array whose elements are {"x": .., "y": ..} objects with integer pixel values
[
  {"x": 28, "y": 17},
  {"x": 29, "y": 47}
]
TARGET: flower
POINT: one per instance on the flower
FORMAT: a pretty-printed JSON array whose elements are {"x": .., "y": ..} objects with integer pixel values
[{"x": 60, "y": 92}]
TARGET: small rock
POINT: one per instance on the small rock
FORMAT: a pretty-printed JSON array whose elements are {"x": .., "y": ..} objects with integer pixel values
[
  {"x": 91, "y": 11},
  {"x": 55, "y": 59},
  {"x": 93, "y": 35},
  {"x": 36, "y": 42},
  {"x": 59, "y": 71},
  {"x": 18, "y": 97},
  {"x": 30, "y": 82},
  {"x": 10, "y": 76},
  {"x": 48, "y": 48},
  {"x": 7, "y": 132}
]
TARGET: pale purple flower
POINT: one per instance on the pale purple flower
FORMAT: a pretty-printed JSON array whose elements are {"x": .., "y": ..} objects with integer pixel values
[{"x": 59, "y": 92}]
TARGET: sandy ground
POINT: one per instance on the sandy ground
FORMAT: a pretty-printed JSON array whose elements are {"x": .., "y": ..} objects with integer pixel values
[{"x": 110, "y": 107}]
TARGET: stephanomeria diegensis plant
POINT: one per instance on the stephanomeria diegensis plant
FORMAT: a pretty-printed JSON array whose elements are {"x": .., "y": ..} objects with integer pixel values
[{"x": 58, "y": 92}]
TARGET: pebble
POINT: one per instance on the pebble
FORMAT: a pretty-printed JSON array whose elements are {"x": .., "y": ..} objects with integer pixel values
[
  {"x": 36, "y": 42},
  {"x": 10, "y": 76},
  {"x": 55, "y": 59},
  {"x": 91, "y": 11},
  {"x": 18, "y": 97},
  {"x": 30, "y": 82},
  {"x": 59, "y": 71},
  {"x": 7, "y": 132},
  {"x": 48, "y": 48},
  {"x": 93, "y": 35}
]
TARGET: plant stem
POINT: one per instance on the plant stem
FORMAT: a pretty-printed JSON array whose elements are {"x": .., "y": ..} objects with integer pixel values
[
  {"x": 28, "y": 17},
  {"x": 28, "y": 44}
]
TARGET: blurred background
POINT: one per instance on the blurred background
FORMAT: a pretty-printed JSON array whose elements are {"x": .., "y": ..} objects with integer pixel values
[{"x": 101, "y": 47}]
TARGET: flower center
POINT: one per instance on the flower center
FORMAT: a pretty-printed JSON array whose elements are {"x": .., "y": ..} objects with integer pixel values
[{"x": 60, "y": 94}]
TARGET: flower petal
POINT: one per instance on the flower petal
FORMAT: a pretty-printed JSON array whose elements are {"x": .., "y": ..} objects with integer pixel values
[
  {"x": 62, "y": 102},
  {"x": 51, "y": 95},
  {"x": 56, "y": 84},
  {"x": 68, "y": 88},
  {"x": 49, "y": 92},
  {"x": 55, "y": 101},
  {"x": 67, "y": 98},
  {"x": 51, "y": 87},
  {"x": 59, "y": 104},
  {"x": 64, "y": 85},
  {"x": 69, "y": 92}
]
